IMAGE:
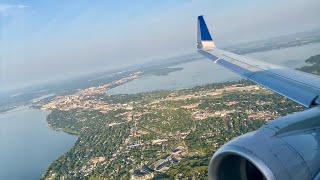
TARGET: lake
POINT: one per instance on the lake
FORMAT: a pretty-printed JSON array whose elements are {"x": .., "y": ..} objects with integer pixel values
[
  {"x": 27, "y": 145},
  {"x": 204, "y": 71}
]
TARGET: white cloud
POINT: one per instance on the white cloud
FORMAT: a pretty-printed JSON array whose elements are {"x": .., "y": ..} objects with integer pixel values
[
  {"x": 4, "y": 7},
  {"x": 7, "y": 7}
]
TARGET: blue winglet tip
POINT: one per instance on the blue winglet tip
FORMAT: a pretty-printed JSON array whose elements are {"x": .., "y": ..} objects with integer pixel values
[
  {"x": 200, "y": 18},
  {"x": 205, "y": 34}
]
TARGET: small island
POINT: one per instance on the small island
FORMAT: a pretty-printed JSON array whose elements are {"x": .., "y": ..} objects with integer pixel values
[{"x": 313, "y": 66}]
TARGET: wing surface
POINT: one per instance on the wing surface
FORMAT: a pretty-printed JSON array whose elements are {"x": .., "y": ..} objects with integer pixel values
[{"x": 301, "y": 87}]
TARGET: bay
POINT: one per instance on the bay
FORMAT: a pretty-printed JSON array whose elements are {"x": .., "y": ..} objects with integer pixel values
[
  {"x": 27, "y": 145},
  {"x": 204, "y": 71}
]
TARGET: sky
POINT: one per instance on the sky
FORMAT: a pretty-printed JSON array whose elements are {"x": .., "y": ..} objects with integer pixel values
[{"x": 48, "y": 40}]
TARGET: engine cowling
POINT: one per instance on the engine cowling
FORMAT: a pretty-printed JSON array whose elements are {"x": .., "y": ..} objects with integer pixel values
[{"x": 287, "y": 148}]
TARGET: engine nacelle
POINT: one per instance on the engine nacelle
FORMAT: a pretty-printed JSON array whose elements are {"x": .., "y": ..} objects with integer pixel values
[{"x": 287, "y": 148}]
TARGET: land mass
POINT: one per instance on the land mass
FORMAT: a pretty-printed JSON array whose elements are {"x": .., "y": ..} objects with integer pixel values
[
  {"x": 24, "y": 96},
  {"x": 161, "y": 71},
  {"x": 160, "y": 134},
  {"x": 313, "y": 65}
]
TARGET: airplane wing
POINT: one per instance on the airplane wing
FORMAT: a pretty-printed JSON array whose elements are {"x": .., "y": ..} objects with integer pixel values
[
  {"x": 285, "y": 148},
  {"x": 301, "y": 87}
]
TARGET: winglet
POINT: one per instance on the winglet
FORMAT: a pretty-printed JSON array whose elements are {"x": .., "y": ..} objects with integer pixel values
[{"x": 204, "y": 40}]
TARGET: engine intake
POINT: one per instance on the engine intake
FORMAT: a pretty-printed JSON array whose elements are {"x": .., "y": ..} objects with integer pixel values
[
  {"x": 238, "y": 164},
  {"x": 233, "y": 167},
  {"x": 286, "y": 148}
]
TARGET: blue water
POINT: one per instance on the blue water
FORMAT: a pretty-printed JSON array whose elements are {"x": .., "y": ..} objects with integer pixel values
[
  {"x": 27, "y": 145},
  {"x": 203, "y": 71}
]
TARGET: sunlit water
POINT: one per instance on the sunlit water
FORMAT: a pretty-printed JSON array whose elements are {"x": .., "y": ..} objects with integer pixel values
[
  {"x": 204, "y": 71},
  {"x": 27, "y": 145}
]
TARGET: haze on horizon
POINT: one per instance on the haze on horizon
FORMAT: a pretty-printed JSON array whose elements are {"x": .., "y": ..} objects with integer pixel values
[{"x": 42, "y": 41}]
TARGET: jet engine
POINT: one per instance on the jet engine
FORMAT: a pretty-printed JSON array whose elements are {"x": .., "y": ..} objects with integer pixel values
[{"x": 286, "y": 148}]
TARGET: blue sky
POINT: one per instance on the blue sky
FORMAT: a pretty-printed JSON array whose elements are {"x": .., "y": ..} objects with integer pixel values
[{"x": 44, "y": 40}]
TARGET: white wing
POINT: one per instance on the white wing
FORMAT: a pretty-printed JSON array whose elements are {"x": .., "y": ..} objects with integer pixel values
[{"x": 301, "y": 87}]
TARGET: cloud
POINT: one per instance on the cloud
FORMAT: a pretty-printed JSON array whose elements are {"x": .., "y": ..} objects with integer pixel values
[
  {"x": 4, "y": 7},
  {"x": 7, "y": 7}
]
